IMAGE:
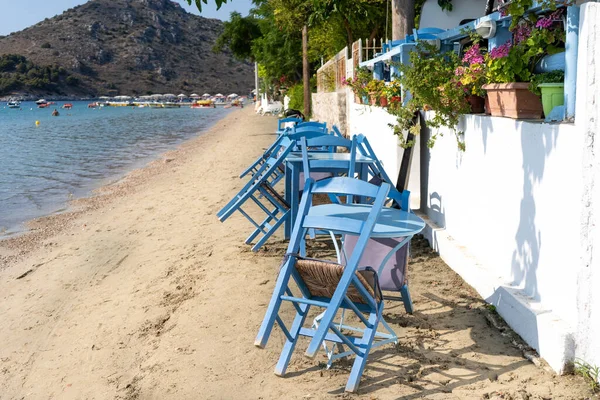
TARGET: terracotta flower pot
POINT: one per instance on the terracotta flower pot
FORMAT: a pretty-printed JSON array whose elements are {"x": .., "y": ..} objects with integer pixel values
[
  {"x": 477, "y": 103},
  {"x": 383, "y": 101},
  {"x": 513, "y": 100},
  {"x": 487, "y": 105}
]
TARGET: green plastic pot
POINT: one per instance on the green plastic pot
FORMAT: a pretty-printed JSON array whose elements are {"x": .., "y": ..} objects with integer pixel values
[{"x": 553, "y": 94}]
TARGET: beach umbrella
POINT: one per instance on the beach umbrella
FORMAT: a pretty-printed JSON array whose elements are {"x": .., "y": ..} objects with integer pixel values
[
  {"x": 194, "y": 95},
  {"x": 181, "y": 95},
  {"x": 170, "y": 95},
  {"x": 206, "y": 95},
  {"x": 233, "y": 95},
  {"x": 219, "y": 95}
]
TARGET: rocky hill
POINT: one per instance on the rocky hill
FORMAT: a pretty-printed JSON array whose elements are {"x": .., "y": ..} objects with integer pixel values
[{"x": 123, "y": 47}]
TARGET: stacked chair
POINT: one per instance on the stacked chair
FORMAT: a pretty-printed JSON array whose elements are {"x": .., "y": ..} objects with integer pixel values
[{"x": 365, "y": 265}]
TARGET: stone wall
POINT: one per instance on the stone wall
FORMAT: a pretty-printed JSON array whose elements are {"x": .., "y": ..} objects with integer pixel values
[{"x": 330, "y": 108}]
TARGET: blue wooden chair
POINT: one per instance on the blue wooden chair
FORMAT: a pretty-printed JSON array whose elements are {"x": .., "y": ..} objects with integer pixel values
[
  {"x": 310, "y": 126},
  {"x": 281, "y": 124},
  {"x": 260, "y": 190},
  {"x": 255, "y": 166},
  {"x": 327, "y": 284}
]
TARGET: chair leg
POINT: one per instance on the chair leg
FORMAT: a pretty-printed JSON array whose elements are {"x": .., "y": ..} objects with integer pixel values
[
  {"x": 406, "y": 299},
  {"x": 273, "y": 309},
  {"x": 271, "y": 231},
  {"x": 288, "y": 347},
  {"x": 361, "y": 360}
]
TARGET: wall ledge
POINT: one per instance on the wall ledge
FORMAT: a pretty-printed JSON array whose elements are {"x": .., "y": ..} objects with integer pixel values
[{"x": 541, "y": 328}]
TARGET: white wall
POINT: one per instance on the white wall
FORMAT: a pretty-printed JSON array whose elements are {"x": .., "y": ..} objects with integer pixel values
[
  {"x": 374, "y": 123},
  {"x": 432, "y": 16},
  {"x": 588, "y": 120}
]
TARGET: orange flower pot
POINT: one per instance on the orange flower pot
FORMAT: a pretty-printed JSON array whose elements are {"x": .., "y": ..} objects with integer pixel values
[{"x": 513, "y": 100}]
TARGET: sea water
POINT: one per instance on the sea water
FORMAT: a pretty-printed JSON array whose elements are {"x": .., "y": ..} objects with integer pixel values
[{"x": 44, "y": 165}]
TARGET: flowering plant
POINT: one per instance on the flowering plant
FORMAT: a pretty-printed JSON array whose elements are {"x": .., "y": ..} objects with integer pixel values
[
  {"x": 532, "y": 39},
  {"x": 470, "y": 75},
  {"x": 358, "y": 84},
  {"x": 429, "y": 78}
]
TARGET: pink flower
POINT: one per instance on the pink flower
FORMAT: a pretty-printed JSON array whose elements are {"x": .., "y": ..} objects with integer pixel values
[
  {"x": 473, "y": 55},
  {"x": 459, "y": 71},
  {"x": 521, "y": 33},
  {"x": 544, "y": 23},
  {"x": 501, "y": 51}
]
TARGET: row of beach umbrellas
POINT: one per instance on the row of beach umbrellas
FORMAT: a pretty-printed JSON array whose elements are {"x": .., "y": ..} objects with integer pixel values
[{"x": 162, "y": 96}]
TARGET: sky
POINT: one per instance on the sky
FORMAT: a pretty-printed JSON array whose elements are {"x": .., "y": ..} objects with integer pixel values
[{"x": 20, "y": 14}]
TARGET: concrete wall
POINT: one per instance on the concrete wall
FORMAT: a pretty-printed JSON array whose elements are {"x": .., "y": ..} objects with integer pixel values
[
  {"x": 513, "y": 200},
  {"x": 432, "y": 16},
  {"x": 374, "y": 123},
  {"x": 331, "y": 108},
  {"x": 588, "y": 121}
]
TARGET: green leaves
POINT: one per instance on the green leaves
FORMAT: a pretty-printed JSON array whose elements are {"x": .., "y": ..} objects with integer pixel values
[{"x": 198, "y": 3}]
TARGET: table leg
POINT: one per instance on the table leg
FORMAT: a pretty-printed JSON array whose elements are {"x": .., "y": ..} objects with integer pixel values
[
  {"x": 294, "y": 193},
  {"x": 287, "y": 225}
]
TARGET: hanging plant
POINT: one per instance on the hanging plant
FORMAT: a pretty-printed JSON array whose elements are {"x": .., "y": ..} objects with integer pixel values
[{"x": 430, "y": 80}]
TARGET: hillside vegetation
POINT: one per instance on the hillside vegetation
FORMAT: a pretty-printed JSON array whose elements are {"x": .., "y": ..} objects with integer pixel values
[{"x": 18, "y": 73}]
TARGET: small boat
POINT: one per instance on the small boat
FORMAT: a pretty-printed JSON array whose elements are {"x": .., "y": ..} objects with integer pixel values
[
  {"x": 202, "y": 104},
  {"x": 41, "y": 101},
  {"x": 43, "y": 105},
  {"x": 14, "y": 104},
  {"x": 67, "y": 106},
  {"x": 93, "y": 105}
]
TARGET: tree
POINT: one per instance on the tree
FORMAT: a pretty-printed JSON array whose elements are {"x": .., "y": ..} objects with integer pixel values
[
  {"x": 238, "y": 34},
  {"x": 403, "y": 18},
  {"x": 355, "y": 15},
  {"x": 198, "y": 3}
]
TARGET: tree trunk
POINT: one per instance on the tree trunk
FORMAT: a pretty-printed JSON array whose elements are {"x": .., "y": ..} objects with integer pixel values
[
  {"x": 349, "y": 36},
  {"x": 305, "y": 71},
  {"x": 403, "y": 18}
]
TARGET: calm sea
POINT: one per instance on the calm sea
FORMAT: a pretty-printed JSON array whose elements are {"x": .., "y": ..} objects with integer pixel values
[{"x": 42, "y": 167}]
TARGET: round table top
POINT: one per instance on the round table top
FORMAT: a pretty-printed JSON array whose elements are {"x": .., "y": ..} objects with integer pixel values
[{"x": 391, "y": 222}]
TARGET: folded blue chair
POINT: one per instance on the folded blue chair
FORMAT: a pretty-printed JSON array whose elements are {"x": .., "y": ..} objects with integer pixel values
[
  {"x": 261, "y": 191},
  {"x": 326, "y": 284}
]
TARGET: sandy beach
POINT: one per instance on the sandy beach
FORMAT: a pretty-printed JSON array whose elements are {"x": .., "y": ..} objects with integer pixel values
[{"x": 141, "y": 293}]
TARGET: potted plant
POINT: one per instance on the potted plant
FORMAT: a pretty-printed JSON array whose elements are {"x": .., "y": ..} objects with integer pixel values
[
  {"x": 393, "y": 92},
  {"x": 509, "y": 67},
  {"x": 471, "y": 77},
  {"x": 376, "y": 90},
  {"x": 550, "y": 85},
  {"x": 358, "y": 84}
]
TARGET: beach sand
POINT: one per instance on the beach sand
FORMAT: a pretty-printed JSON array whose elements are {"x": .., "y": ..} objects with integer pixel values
[{"x": 141, "y": 293}]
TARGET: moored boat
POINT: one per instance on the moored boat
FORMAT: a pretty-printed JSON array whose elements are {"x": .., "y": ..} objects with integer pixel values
[
  {"x": 202, "y": 104},
  {"x": 67, "y": 106},
  {"x": 14, "y": 104}
]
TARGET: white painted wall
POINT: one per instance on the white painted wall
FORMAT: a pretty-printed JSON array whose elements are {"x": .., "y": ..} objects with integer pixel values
[
  {"x": 374, "y": 123},
  {"x": 587, "y": 118},
  {"x": 432, "y": 15}
]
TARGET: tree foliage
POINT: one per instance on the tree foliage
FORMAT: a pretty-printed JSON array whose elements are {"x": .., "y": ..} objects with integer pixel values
[
  {"x": 238, "y": 34},
  {"x": 16, "y": 72}
]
